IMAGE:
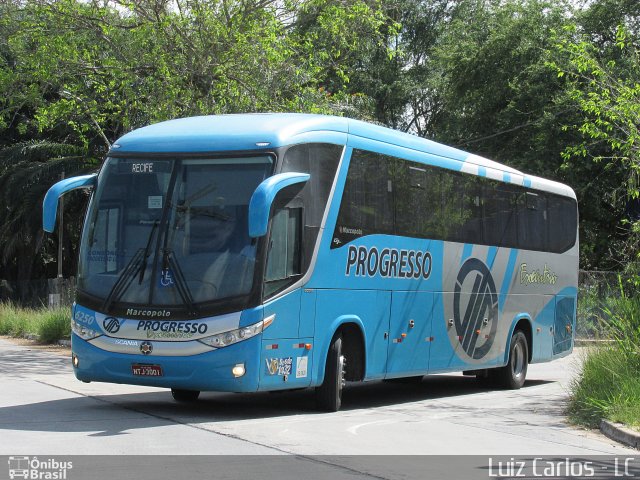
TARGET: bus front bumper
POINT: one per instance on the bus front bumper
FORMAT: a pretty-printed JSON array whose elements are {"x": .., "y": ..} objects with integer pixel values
[{"x": 209, "y": 371}]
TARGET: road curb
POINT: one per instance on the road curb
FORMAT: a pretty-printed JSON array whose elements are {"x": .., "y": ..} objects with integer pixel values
[{"x": 620, "y": 433}]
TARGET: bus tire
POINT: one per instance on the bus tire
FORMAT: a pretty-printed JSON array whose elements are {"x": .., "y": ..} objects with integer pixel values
[
  {"x": 185, "y": 395},
  {"x": 514, "y": 373},
  {"x": 329, "y": 394}
]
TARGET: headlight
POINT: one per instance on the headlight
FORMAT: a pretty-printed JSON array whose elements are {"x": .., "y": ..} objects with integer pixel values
[
  {"x": 83, "y": 332},
  {"x": 225, "y": 339}
]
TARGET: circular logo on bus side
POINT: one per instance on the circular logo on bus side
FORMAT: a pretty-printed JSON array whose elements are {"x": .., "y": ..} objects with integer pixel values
[
  {"x": 111, "y": 325},
  {"x": 475, "y": 314}
]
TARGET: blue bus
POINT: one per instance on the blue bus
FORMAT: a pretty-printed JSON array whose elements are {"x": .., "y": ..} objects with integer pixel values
[{"x": 263, "y": 252}]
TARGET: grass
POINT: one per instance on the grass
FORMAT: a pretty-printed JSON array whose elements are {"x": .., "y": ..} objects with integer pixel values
[
  {"x": 54, "y": 324},
  {"x": 609, "y": 385},
  {"x": 48, "y": 325}
]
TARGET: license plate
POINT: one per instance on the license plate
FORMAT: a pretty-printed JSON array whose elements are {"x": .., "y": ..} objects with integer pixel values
[{"x": 146, "y": 370}]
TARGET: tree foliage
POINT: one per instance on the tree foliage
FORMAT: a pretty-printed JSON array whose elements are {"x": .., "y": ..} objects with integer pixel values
[
  {"x": 608, "y": 98},
  {"x": 541, "y": 85},
  {"x": 603, "y": 81},
  {"x": 479, "y": 75},
  {"x": 81, "y": 74},
  {"x": 27, "y": 170}
]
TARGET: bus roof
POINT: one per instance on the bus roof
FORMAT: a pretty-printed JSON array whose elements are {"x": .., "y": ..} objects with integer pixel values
[{"x": 244, "y": 132}]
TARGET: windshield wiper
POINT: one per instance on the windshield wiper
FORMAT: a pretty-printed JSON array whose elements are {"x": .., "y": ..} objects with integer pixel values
[
  {"x": 169, "y": 262},
  {"x": 143, "y": 267},
  {"x": 138, "y": 263},
  {"x": 124, "y": 280}
]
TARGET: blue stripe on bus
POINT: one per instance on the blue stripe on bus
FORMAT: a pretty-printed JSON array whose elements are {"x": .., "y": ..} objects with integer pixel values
[
  {"x": 466, "y": 252},
  {"x": 527, "y": 182},
  {"x": 506, "y": 280},
  {"x": 506, "y": 177},
  {"x": 482, "y": 171},
  {"x": 491, "y": 256}
]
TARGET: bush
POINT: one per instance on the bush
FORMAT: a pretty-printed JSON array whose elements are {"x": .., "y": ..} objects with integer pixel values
[
  {"x": 609, "y": 386},
  {"x": 17, "y": 322},
  {"x": 53, "y": 325},
  {"x": 624, "y": 325},
  {"x": 49, "y": 325}
]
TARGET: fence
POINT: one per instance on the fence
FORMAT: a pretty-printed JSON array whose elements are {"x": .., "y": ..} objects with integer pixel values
[
  {"x": 598, "y": 294},
  {"x": 38, "y": 293}
]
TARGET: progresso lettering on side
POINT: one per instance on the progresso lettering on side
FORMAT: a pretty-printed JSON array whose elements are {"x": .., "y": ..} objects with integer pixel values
[{"x": 388, "y": 263}]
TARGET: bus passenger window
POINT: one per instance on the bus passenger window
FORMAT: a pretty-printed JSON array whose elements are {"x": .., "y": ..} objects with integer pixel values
[
  {"x": 532, "y": 221},
  {"x": 500, "y": 214},
  {"x": 367, "y": 201},
  {"x": 467, "y": 223},
  {"x": 563, "y": 223}
]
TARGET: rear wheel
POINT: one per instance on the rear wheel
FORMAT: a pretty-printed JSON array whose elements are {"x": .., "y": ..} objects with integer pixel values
[
  {"x": 329, "y": 394},
  {"x": 514, "y": 373},
  {"x": 185, "y": 395}
]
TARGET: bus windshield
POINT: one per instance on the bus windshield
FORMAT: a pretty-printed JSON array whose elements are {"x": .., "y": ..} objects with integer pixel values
[{"x": 171, "y": 232}]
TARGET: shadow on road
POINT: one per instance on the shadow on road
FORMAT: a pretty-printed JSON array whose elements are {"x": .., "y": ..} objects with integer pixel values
[
  {"x": 108, "y": 415},
  {"x": 116, "y": 414}
]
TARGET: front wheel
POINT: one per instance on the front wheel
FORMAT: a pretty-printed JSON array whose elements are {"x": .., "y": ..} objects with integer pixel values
[
  {"x": 329, "y": 394},
  {"x": 513, "y": 374},
  {"x": 185, "y": 395}
]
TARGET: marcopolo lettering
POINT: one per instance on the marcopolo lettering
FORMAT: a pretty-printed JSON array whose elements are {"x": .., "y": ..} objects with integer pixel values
[
  {"x": 172, "y": 327},
  {"x": 148, "y": 313},
  {"x": 388, "y": 263}
]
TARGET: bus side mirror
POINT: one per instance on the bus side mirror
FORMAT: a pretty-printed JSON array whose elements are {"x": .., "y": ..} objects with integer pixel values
[
  {"x": 262, "y": 199},
  {"x": 50, "y": 204}
]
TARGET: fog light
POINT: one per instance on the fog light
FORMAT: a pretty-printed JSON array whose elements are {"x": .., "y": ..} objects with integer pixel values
[
  {"x": 238, "y": 370},
  {"x": 75, "y": 360}
]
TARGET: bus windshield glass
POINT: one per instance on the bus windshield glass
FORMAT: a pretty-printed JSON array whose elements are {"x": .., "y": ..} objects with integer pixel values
[{"x": 171, "y": 232}]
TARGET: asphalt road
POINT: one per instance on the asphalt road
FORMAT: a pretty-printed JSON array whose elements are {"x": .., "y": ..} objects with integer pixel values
[{"x": 45, "y": 410}]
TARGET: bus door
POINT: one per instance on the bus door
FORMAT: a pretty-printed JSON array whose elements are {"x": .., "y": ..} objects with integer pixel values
[
  {"x": 409, "y": 333},
  {"x": 286, "y": 360}
]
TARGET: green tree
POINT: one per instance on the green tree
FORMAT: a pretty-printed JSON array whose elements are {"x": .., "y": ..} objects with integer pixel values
[
  {"x": 82, "y": 74},
  {"x": 605, "y": 86},
  {"x": 394, "y": 75},
  {"x": 26, "y": 172},
  {"x": 481, "y": 81}
]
